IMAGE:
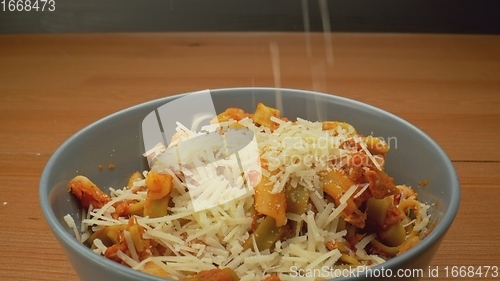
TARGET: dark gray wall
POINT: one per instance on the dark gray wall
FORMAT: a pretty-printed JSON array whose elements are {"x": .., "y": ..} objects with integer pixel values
[{"x": 430, "y": 16}]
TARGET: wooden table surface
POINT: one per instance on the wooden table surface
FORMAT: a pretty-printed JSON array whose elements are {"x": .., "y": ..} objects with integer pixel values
[{"x": 51, "y": 86}]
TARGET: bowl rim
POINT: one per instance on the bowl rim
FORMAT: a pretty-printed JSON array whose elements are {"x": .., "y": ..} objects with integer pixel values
[{"x": 67, "y": 239}]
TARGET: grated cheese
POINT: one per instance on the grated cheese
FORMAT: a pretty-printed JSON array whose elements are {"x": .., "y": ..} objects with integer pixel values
[
  {"x": 100, "y": 248},
  {"x": 360, "y": 246},
  {"x": 362, "y": 190},
  {"x": 368, "y": 153},
  {"x": 128, "y": 260},
  {"x": 131, "y": 246},
  {"x": 71, "y": 223}
]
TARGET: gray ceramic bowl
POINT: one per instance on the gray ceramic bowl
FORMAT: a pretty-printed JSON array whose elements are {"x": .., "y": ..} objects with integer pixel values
[{"x": 117, "y": 139}]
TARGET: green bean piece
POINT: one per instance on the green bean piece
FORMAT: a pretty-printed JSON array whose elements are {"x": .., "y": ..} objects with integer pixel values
[
  {"x": 342, "y": 224},
  {"x": 108, "y": 235},
  {"x": 266, "y": 234},
  {"x": 393, "y": 236},
  {"x": 386, "y": 250},
  {"x": 136, "y": 208},
  {"x": 297, "y": 199},
  {"x": 155, "y": 208},
  {"x": 376, "y": 210}
]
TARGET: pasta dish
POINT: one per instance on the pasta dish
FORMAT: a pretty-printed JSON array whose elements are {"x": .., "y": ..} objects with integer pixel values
[{"x": 319, "y": 198}]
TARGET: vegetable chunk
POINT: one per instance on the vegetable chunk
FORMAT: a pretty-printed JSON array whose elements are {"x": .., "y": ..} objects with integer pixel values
[{"x": 88, "y": 192}]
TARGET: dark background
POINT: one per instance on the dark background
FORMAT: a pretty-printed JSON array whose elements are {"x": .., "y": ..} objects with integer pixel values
[{"x": 424, "y": 16}]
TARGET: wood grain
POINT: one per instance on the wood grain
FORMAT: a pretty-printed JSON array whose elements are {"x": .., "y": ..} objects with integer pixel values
[{"x": 53, "y": 85}]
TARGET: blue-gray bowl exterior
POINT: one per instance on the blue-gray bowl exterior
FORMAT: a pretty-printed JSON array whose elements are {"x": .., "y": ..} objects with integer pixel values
[{"x": 117, "y": 139}]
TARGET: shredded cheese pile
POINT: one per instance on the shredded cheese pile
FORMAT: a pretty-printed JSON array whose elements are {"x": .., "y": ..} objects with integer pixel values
[{"x": 202, "y": 239}]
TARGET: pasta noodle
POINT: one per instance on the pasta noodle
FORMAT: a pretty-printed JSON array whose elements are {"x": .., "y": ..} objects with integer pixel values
[{"x": 322, "y": 199}]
